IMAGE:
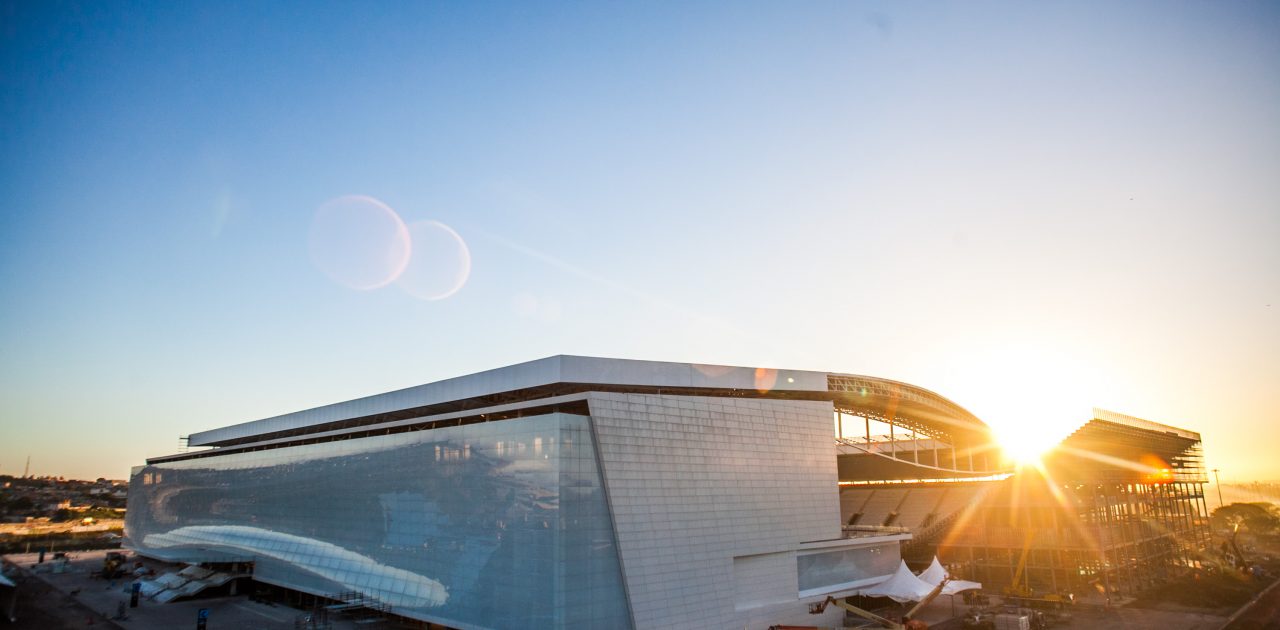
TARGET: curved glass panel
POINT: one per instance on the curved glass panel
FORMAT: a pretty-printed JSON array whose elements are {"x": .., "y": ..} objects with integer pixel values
[{"x": 501, "y": 524}]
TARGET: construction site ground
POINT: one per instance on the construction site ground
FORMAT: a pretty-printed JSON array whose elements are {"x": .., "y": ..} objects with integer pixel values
[
  {"x": 1085, "y": 617},
  {"x": 76, "y": 599}
]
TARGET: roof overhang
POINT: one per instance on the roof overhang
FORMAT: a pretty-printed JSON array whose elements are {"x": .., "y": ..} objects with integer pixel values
[{"x": 908, "y": 405}]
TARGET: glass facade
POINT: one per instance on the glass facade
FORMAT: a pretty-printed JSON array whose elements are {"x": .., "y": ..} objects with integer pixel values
[
  {"x": 831, "y": 568},
  {"x": 500, "y": 524}
]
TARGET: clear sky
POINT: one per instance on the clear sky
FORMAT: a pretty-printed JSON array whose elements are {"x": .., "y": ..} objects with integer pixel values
[{"x": 1030, "y": 208}]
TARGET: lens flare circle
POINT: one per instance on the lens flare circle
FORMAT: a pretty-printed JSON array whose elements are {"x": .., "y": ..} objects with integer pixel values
[
  {"x": 440, "y": 264},
  {"x": 359, "y": 242},
  {"x": 765, "y": 379}
]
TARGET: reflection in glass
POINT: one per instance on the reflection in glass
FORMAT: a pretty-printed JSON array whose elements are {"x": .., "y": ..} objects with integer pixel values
[
  {"x": 501, "y": 524},
  {"x": 824, "y": 569},
  {"x": 393, "y": 586}
]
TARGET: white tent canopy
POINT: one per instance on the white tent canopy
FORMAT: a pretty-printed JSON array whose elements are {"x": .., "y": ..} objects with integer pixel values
[
  {"x": 935, "y": 574},
  {"x": 902, "y": 586}
]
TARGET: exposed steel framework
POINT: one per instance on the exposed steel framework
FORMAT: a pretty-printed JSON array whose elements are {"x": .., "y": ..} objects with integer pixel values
[
  {"x": 927, "y": 436},
  {"x": 1117, "y": 508}
]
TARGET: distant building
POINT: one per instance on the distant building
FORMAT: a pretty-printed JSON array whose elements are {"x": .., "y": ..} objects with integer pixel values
[{"x": 564, "y": 492}]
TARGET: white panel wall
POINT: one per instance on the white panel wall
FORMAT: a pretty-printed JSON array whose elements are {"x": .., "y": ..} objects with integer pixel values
[
  {"x": 695, "y": 482},
  {"x": 765, "y": 579}
]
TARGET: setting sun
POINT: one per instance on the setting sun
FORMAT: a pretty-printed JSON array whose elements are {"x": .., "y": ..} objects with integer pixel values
[
  {"x": 1024, "y": 445},
  {"x": 1031, "y": 390}
]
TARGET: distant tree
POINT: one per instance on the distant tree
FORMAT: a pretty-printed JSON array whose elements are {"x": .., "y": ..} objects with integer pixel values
[{"x": 1258, "y": 518}]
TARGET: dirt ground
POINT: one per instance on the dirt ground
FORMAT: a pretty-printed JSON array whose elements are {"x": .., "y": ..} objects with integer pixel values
[
  {"x": 1145, "y": 619},
  {"x": 42, "y": 607},
  {"x": 1262, "y": 615},
  {"x": 58, "y": 601}
]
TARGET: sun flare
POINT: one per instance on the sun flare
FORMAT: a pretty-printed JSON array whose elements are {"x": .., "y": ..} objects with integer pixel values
[
  {"x": 1025, "y": 447},
  {"x": 1032, "y": 391}
]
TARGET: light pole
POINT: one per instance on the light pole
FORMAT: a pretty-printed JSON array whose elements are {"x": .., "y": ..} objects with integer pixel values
[{"x": 1218, "y": 482}]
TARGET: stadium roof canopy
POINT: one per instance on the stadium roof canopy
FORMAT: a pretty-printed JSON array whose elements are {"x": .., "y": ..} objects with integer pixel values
[
  {"x": 1114, "y": 445},
  {"x": 555, "y": 377}
]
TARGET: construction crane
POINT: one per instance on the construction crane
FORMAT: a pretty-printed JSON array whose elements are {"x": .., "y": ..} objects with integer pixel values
[
  {"x": 907, "y": 622},
  {"x": 1240, "y": 561},
  {"x": 1021, "y": 587}
]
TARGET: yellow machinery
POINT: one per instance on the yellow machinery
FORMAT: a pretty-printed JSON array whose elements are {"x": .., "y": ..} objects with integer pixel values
[
  {"x": 1021, "y": 586},
  {"x": 1240, "y": 561},
  {"x": 113, "y": 565}
]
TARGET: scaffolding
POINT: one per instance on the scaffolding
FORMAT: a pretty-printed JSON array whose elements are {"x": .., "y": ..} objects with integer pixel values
[{"x": 1118, "y": 508}]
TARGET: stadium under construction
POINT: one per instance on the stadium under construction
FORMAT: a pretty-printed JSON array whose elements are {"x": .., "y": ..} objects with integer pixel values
[
  {"x": 1116, "y": 507},
  {"x": 587, "y": 492}
]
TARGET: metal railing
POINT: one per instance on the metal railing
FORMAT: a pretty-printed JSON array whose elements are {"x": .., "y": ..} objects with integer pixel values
[{"x": 869, "y": 448}]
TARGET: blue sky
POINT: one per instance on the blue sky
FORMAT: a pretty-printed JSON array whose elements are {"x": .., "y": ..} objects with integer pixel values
[{"x": 1030, "y": 208}]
